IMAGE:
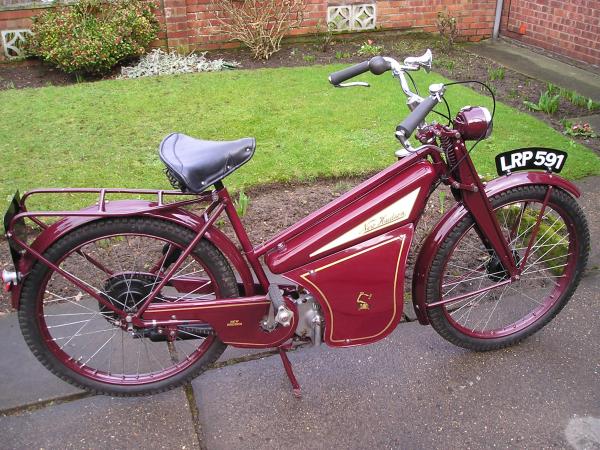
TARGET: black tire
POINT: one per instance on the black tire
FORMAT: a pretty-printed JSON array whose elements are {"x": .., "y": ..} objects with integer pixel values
[
  {"x": 544, "y": 288},
  {"x": 44, "y": 290}
]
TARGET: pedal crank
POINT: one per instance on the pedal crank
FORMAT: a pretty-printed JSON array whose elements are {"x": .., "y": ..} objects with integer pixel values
[{"x": 282, "y": 314}]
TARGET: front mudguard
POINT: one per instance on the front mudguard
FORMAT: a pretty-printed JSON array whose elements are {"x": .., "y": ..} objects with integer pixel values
[
  {"x": 456, "y": 213},
  {"x": 176, "y": 215}
]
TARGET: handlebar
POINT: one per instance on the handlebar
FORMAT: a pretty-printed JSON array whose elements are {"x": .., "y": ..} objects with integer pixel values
[
  {"x": 349, "y": 72},
  {"x": 410, "y": 124},
  {"x": 419, "y": 106},
  {"x": 377, "y": 65}
]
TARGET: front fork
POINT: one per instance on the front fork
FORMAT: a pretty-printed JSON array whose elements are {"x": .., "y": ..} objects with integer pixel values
[{"x": 472, "y": 193}]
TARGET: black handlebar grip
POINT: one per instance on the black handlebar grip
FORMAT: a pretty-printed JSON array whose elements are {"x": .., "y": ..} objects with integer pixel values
[
  {"x": 379, "y": 65},
  {"x": 345, "y": 74},
  {"x": 413, "y": 120}
]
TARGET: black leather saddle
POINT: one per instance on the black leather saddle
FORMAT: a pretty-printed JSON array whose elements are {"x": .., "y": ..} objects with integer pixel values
[{"x": 195, "y": 164}]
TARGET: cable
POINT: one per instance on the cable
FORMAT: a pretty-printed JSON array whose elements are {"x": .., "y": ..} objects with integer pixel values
[
  {"x": 489, "y": 124},
  {"x": 434, "y": 187},
  {"x": 412, "y": 81},
  {"x": 447, "y": 117},
  {"x": 448, "y": 109}
]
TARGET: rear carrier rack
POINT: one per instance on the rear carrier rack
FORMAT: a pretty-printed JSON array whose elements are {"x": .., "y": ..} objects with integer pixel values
[{"x": 17, "y": 213}]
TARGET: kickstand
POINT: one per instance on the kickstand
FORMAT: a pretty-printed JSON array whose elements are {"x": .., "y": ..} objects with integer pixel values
[{"x": 290, "y": 372}]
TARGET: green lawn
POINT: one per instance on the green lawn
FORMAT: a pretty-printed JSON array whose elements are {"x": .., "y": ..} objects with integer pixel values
[{"x": 107, "y": 133}]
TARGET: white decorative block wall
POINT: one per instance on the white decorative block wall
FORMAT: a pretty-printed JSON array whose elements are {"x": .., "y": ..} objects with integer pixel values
[
  {"x": 13, "y": 40},
  {"x": 352, "y": 17}
]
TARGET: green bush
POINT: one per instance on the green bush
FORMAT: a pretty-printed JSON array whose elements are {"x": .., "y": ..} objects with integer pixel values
[{"x": 92, "y": 36}]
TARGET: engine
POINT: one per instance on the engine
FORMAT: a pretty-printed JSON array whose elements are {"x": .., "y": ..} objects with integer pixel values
[{"x": 310, "y": 319}]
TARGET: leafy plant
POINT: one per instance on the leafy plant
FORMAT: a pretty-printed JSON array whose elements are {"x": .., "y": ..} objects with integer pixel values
[
  {"x": 553, "y": 89},
  {"x": 89, "y": 37},
  {"x": 444, "y": 62},
  {"x": 577, "y": 99},
  {"x": 592, "y": 105},
  {"x": 447, "y": 26},
  {"x": 496, "y": 73},
  {"x": 159, "y": 62},
  {"x": 342, "y": 55},
  {"x": 6, "y": 84},
  {"x": 442, "y": 199},
  {"x": 241, "y": 204},
  {"x": 259, "y": 24},
  {"x": 309, "y": 58},
  {"x": 369, "y": 48},
  {"x": 547, "y": 103},
  {"x": 579, "y": 129},
  {"x": 325, "y": 35}
]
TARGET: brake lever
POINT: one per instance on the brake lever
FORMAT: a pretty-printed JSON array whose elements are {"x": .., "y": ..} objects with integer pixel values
[{"x": 353, "y": 84}]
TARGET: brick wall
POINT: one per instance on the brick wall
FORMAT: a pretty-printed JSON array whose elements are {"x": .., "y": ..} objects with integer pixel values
[
  {"x": 567, "y": 27},
  {"x": 475, "y": 17},
  {"x": 192, "y": 24},
  {"x": 16, "y": 19}
]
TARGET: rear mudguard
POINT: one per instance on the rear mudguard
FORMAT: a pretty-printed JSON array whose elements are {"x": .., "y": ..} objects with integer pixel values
[
  {"x": 456, "y": 213},
  {"x": 176, "y": 215}
]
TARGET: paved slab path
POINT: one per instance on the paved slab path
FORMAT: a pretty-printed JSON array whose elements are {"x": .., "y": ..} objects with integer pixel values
[{"x": 540, "y": 67}]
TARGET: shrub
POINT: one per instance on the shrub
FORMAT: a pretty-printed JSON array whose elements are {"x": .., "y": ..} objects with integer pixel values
[
  {"x": 259, "y": 24},
  {"x": 446, "y": 25},
  {"x": 158, "y": 62},
  {"x": 92, "y": 36},
  {"x": 324, "y": 35}
]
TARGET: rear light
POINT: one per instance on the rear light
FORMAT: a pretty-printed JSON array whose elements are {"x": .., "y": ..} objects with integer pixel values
[{"x": 9, "y": 279}]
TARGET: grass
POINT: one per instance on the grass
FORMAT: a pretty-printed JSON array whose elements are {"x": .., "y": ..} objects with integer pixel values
[{"x": 107, "y": 133}]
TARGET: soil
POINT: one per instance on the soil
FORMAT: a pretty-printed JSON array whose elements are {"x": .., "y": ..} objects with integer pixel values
[{"x": 457, "y": 64}]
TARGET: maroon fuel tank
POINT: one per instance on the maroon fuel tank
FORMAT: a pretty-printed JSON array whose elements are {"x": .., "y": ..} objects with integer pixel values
[{"x": 369, "y": 210}]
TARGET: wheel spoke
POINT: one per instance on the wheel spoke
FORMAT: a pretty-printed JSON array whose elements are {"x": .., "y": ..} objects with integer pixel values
[
  {"x": 541, "y": 242},
  {"x": 124, "y": 267}
]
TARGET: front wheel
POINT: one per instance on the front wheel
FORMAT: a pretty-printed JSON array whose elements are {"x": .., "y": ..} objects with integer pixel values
[
  {"x": 83, "y": 342},
  {"x": 463, "y": 268}
]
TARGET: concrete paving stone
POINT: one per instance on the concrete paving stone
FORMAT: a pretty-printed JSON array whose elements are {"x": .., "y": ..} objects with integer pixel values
[
  {"x": 540, "y": 67},
  {"x": 24, "y": 379},
  {"x": 163, "y": 421},
  {"x": 233, "y": 353},
  {"x": 415, "y": 390}
]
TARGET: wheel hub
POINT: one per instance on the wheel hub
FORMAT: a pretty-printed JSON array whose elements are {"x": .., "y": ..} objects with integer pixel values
[
  {"x": 495, "y": 269},
  {"x": 126, "y": 292}
]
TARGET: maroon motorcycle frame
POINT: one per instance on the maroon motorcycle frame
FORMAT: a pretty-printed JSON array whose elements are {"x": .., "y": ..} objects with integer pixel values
[
  {"x": 424, "y": 173},
  {"x": 335, "y": 253}
]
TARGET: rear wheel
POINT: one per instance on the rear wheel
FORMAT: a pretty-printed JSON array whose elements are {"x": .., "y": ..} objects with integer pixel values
[
  {"x": 463, "y": 268},
  {"x": 81, "y": 341}
]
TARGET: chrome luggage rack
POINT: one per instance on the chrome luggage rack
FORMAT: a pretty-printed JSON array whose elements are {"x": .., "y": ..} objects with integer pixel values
[
  {"x": 15, "y": 217},
  {"x": 18, "y": 209}
]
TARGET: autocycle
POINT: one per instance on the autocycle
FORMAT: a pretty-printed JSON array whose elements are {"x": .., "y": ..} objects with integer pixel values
[{"x": 130, "y": 297}]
